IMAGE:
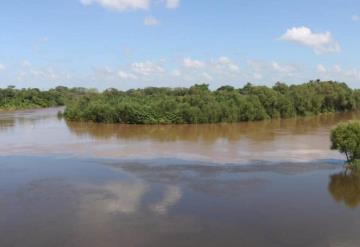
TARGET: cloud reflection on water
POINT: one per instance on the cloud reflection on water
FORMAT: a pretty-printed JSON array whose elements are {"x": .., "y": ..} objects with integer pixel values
[{"x": 127, "y": 197}]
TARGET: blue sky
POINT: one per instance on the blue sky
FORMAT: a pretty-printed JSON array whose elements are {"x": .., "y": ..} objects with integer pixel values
[{"x": 140, "y": 43}]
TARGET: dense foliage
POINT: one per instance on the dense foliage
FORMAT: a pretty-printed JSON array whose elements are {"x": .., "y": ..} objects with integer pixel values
[
  {"x": 13, "y": 99},
  {"x": 198, "y": 104},
  {"x": 346, "y": 138}
]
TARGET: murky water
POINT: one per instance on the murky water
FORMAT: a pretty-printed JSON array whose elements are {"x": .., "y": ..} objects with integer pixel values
[
  {"x": 270, "y": 183},
  {"x": 41, "y": 132}
]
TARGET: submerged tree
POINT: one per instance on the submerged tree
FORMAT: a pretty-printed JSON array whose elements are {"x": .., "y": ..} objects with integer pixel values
[{"x": 346, "y": 138}]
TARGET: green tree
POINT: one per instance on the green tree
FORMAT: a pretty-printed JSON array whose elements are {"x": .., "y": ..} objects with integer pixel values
[{"x": 346, "y": 139}]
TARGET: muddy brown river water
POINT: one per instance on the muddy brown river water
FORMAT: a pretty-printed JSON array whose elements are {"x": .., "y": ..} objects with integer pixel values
[{"x": 273, "y": 183}]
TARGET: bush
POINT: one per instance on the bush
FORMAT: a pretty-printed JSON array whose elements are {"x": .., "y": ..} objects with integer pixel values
[{"x": 346, "y": 139}]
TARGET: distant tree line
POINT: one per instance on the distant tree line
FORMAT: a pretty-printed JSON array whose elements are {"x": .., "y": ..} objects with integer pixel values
[
  {"x": 12, "y": 98},
  {"x": 198, "y": 104}
]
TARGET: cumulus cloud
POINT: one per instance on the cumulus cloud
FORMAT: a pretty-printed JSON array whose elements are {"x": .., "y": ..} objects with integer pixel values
[
  {"x": 136, "y": 74},
  {"x": 225, "y": 64},
  {"x": 216, "y": 71},
  {"x": 147, "y": 68},
  {"x": 126, "y": 75},
  {"x": 49, "y": 75},
  {"x": 192, "y": 63},
  {"x": 151, "y": 21},
  {"x": 163, "y": 73},
  {"x": 336, "y": 72},
  {"x": 319, "y": 42},
  {"x": 273, "y": 71},
  {"x": 2, "y": 67},
  {"x": 125, "y": 5},
  {"x": 119, "y": 5},
  {"x": 283, "y": 68},
  {"x": 355, "y": 18}
]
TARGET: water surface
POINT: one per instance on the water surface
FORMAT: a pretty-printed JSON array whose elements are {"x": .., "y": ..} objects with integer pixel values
[
  {"x": 41, "y": 132},
  {"x": 270, "y": 183}
]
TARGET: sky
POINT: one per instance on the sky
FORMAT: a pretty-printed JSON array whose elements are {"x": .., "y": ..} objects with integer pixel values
[{"x": 176, "y": 43}]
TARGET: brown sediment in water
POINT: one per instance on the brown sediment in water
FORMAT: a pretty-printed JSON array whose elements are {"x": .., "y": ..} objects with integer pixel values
[
  {"x": 246, "y": 184},
  {"x": 56, "y": 202},
  {"x": 40, "y": 132}
]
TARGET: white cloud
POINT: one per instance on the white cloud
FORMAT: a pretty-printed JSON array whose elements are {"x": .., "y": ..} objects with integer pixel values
[
  {"x": 224, "y": 64},
  {"x": 147, "y": 68},
  {"x": 164, "y": 73},
  {"x": 29, "y": 73},
  {"x": 161, "y": 73},
  {"x": 151, "y": 21},
  {"x": 337, "y": 73},
  {"x": 193, "y": 64},
  {"x": 126, "y": 75},
  {"x": 319, "y": 42},
  {"x": 2, "y": 67},
  {"x": 283, "y": 68},
  {"x": 274, "y": 71},
  {"x": 216, "y": 71},
  {"x": 120, "y": 5},
  {"x": 172, "y": 4},
  {"x": 355, "y": 18},
  {"x": 125, "y": 5}
]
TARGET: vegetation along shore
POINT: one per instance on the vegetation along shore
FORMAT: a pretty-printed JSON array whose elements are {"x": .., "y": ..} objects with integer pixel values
[{"x": 197, "y": 104}]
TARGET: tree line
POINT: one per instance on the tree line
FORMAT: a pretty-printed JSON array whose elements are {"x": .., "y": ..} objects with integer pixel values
[
  {"x": 199, "y": 104},
  {"x": 12, "y": 98}
]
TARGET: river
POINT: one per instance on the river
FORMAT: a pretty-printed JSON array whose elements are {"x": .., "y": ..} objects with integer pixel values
[{"x": 271, "y": 183}]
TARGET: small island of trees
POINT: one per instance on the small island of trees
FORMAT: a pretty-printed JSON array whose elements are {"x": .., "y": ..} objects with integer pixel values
[{"x": 199, "y": 104}]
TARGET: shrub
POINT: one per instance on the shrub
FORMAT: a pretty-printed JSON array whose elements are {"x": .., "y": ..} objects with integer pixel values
[{"x": 346, "y": 138}]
